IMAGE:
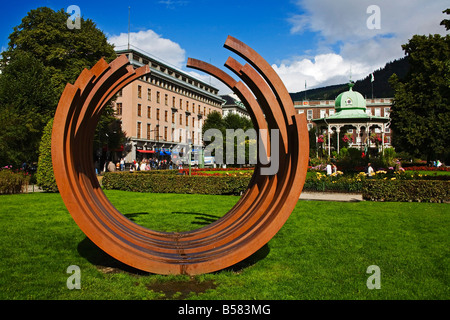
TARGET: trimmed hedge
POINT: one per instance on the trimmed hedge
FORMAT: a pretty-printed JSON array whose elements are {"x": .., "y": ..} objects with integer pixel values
[
  {"x": 45, "y": 177},
  {"x": 169, "y": 183},
  {"x": 407, "y": 190}
]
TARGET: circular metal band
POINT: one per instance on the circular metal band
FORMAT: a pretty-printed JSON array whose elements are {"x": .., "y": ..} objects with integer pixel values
[{"x": 252, "y": 222}]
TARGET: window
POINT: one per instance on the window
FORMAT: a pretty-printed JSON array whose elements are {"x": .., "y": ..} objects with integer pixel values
[
  {"x": 157, "y": 114},
  {"x": 187, "y": 120},
  {"x": 301, "y": 111},
  {"x": 149, "y": 94},
  {"x": 173, "y": 117},
  {"x": 181, "y": 121},
  {"x": 173, "y": 102},
  {"x": 310, "y": 126},
  {"x": 181, "y": 104},
  {"x": 148, "y": 131},
  {"x": 387, "y": 130},
  {"x": 165, "y": 115},
  {"x": 149, "y": 112},
  {"x": 138, "y": 129},
  {"x": 158, "y": 97},
  {"x": 331, "y": 112},
  {"x": 139, "y": 110},
  {"x": 309, "y": 114},
  {"x": 165, "y": 133},
  {"x": 187, "y": 105},
  {"x": 139, "y": 92},
  {"x": 323, "y": 113},
  {"x": 166, "y": 99},
  {"x": 119, "y": 109},
  {"x": 377, "y": 112},
  {"x": 173, "y": 135},
  {"x": 193, "y": 122},
  {"x": 387, "y": 112},
  {"x": 369, "y": 112}
]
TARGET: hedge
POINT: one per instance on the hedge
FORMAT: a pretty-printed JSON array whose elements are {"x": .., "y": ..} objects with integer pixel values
[
  {"x": 44, "y": 175},
  {"x": 407, "y": 190},
  {"x": 170, "y": 183}
]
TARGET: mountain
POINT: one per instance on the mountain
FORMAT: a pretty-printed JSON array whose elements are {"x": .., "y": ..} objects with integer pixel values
[{"x": 381, "y": 87}]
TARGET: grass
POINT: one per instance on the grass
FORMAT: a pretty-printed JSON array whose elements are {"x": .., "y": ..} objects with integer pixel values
[{"x": 322, "y": 252}]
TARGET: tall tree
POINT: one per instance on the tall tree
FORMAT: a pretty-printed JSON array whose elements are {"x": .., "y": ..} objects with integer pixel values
[
  {"x": 421, "y": 110},
  {"x": 43, "y": 55},
  {"x": 65, "y": 52},
  {"x": 27, "y": 102}
]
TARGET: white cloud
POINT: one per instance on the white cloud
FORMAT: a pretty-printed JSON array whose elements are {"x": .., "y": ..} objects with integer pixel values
[
  {"x": 343, "y": 24},
  {"x": 152, "y": 43},
  {"x": 322, "y": 70}
]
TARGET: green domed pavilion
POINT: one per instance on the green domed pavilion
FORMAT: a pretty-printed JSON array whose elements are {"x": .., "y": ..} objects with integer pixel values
[{"x": 351, "y": 112}]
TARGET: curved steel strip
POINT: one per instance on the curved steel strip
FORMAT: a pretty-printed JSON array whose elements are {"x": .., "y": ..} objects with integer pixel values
[{"x": 204, "y": 250}]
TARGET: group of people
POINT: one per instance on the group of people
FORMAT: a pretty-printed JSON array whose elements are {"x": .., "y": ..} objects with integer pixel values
[
  {"x": 143, "y": 165},
  {"x": 151, "y": 164}
]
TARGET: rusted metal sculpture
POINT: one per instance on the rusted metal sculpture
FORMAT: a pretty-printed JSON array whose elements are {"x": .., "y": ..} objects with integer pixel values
[{"x": 251, "y": 223}]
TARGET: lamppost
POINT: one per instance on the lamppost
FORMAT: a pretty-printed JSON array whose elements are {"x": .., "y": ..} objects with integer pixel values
[{"x": 189, "y": 157}]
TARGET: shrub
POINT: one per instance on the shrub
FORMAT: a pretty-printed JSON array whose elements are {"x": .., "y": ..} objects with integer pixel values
[
  {"x": 44, "y": 175},
  {"x": 13, "y": 182},
  {"x": 169, "y": 183},
  {"x": 407, "y": 190}
]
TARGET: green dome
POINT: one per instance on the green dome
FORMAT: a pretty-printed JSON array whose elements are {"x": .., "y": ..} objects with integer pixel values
[{"x": 350, "y": 100}]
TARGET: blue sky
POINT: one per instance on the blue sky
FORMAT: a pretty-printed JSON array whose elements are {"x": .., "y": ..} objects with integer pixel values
[{"x": 321, "y": 42}]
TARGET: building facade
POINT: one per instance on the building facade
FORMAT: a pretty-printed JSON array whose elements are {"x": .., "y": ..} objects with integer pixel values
[
  {"x": 162, "y": 109},
  {"x": 234, "y": 105}
]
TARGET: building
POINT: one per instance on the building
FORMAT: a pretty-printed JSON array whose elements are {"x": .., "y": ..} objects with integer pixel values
[
  {"x": 162, "y": 109},
  {"x": 233, "y": 105},
  {"x": 351, "y": 114}
]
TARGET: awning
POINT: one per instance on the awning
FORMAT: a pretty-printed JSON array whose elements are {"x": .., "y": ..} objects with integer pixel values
[{"x": 145, "y": 151}]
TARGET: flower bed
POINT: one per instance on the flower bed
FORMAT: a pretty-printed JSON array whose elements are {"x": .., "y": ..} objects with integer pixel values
[
  {"x": 426, "y": 168},
  {"x": 13, "y": 181}
]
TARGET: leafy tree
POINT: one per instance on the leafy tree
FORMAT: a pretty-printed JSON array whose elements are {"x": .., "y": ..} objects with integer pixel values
[
  {"x": 231, "y": 121},
  {"x": 43, "y": 55},
  {"x": 64, "y": 52},
  {"x": 27, "y": 101},
  {"x": 421, "y": 110}
]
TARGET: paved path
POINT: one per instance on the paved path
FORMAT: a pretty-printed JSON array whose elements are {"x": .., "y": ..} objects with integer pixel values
[
  {"x": 331, "y": 196},
  {"x": 325, "y": 196}
]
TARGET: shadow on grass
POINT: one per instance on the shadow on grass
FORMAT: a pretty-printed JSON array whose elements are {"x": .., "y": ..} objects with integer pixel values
[
  {"x": 107, "y": 264},
  {"x": 201, "y": 219}
]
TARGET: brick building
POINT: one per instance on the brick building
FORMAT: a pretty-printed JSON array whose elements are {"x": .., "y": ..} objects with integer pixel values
[{"x": 162, "y": 109}]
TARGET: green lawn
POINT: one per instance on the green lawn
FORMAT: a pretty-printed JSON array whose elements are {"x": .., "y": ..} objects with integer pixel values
[{"x": 322, "y": 252}]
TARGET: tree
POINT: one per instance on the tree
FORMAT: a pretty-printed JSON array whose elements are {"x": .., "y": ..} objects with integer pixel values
[
  {"x": 64, "y": 52},
  {"x": 231, "y": 121},
  {"x": 27, "y": 102},
  {"x": 421, "y": 109},
  {"x": 43, "y": 55}
]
